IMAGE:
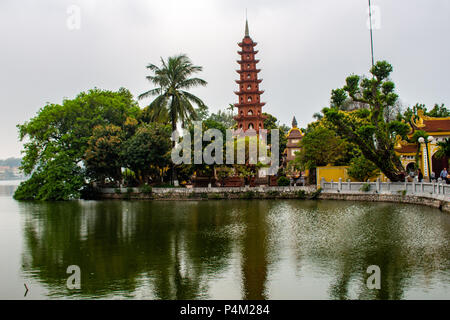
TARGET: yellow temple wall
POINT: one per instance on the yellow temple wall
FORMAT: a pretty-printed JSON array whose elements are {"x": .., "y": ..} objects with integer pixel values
[{"x": 335, "y": 172}]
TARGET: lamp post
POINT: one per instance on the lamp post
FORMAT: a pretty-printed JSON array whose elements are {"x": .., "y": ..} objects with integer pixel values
[{"x": 426, "y": 141}]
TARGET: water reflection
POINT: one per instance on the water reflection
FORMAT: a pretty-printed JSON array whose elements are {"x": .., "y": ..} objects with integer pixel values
[{"x": 250, "y": 249}]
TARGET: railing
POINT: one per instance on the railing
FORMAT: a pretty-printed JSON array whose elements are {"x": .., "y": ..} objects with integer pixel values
[{"x": 436, "y": 189}]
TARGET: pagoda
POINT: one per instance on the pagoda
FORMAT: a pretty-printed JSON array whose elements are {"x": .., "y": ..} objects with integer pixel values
[{"x": 249, "y": 106}]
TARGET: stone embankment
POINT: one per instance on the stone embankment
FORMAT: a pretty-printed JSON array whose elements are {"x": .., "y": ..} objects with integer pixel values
[{"x": 440, "y": 200}]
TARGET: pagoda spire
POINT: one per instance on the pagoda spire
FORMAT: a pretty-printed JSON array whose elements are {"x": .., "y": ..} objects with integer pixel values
[
  {"x": 250, "y": 115},
  {"x": 247, "y": 34},
  {"x": 294, "y": 123}
]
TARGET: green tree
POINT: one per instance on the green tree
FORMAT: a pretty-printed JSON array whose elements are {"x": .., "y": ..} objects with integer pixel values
[
  {"x": 102, "y": 157},
  {"x": 272, "y": 122},
  {"x": 367, "y": 128},
  {"x": 438, "y": 111},
  {"x": 172, "y": 80},
  {"x": 321, "y": 146},
  {"x": 57, "y": 139},
  {"x": 225, "y": 118},
  {"x": 362, "y": 169},
  {"x": 444, "y": 149},
  {"x": 147, "y": 152}
]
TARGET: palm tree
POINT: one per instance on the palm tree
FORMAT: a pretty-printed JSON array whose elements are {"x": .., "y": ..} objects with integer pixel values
[
  {"x": 171, "y": 81},
  {"x": 172, "y": 101},
  {"x": 444, "y": 149}
]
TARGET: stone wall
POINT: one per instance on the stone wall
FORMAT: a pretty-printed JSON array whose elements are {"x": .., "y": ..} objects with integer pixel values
[
  {"x": 331, "y": 191},
  {"x": 435, "y": 194},
  {"x": 410, "y": 199},
  {"x": 263, "y": 192}
]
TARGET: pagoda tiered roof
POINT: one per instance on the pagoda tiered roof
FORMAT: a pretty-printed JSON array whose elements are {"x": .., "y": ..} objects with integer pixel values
[
  {"x": 246, "y": 52},
  {"x": 248, "y": 80},
  {"x": 250, "y": 104},
  {"x": 249, "y": 92},
  {"x": 247, "y": 61},
  {"x": 248, "y": 70},
  {"x": 240, "y": 44}
]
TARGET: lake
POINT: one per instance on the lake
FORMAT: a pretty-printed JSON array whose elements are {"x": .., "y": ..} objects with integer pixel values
[{"x": 222, "y": 249}]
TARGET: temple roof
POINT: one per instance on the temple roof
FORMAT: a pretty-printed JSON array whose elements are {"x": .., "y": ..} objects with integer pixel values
[
  {"x": 430, "y": 124},
  {"x": 406, "y": 148},
  {"x": 294, "y": 133}
]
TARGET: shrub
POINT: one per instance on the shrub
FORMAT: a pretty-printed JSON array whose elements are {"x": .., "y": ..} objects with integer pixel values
[
  {"x": 214, "y": 196},
  {"x": 316, "y": 193},
  {"x": 301, "y": 194},
  {"x": 273, "y": 194},
  {"x": 117, "y": 191},
  {"x": 248, "y": 195},
  {"x": 146, "y": 189},
  {"x": 283, "y": 181},
  {"x": 365, "y": 187}
]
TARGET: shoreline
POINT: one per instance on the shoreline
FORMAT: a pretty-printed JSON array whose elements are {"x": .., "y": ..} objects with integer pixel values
[{"x": 247, "y": 193}]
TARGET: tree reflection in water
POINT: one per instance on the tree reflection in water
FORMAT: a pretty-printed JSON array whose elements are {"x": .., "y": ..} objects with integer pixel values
[{"x": 179, "y": 250}]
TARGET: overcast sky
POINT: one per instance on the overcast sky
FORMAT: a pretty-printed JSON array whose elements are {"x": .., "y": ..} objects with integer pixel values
[{"x": 306, "y": 48}]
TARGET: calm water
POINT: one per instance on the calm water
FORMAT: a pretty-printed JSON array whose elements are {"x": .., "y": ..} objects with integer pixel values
[{"x": 280, "y": 249}]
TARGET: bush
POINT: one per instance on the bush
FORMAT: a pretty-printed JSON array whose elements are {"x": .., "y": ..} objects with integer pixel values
[
  {"x": 214, "y": 196},
  {"x": 283, "y": 181},
  {"x": 365, "y": 187},
  {"x": 117, "y": 191},
  {"x": 146, "y": 189},
  {"x": 273, "y": 194},
  {"x": 316, "y": 193},
  {"x": 301, "y": 194},
  {"x": 248, "y": 195},
  {"x": 362, "y": 169}
]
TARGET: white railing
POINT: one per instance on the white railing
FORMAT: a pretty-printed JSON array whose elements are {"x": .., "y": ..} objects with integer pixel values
[{"x": 436, "y": 189}]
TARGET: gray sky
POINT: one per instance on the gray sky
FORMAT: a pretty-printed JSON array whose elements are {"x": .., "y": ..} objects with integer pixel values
[{"x": 306, "y": 48}]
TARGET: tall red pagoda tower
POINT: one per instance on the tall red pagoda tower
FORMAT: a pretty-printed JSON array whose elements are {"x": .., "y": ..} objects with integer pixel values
[{"x": 249, "y": 106}]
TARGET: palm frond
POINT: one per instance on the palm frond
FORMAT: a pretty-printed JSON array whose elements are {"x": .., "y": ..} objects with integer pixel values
[{"x": 152, "y": 92}]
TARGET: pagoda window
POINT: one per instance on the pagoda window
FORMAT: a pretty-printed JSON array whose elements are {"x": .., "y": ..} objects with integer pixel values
[
  {"x": 248, "y": 76},
  {"x": 248, "y": 66},
  {"x": 249, "y": 99},
  {"x": 249, "y": 87},
  {"x": 260, "y": 125},
  {"x": 248, "y": 57},
  {"x": 242, "y": 113},
  {"x": 250, "y": 126},
  {"x": 250, "y": 112},
  {"x": 242, "y": 99}
]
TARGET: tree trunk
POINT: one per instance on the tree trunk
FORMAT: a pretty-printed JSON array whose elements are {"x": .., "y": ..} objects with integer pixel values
[{"x": 174, "y": 174}]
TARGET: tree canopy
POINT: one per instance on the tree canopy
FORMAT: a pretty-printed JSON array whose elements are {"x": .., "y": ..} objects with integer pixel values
[{"x": 367, "y": 127}]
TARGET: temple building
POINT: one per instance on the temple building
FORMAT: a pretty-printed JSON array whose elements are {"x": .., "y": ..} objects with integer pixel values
[
  {"x": 438, "y": 129},
  {"x": 249, "y": 105},
  {"x": 294, "y": 136}
]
